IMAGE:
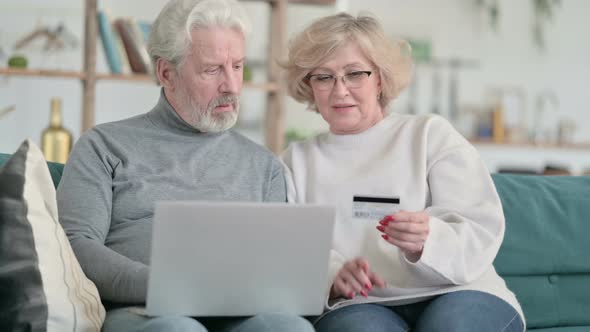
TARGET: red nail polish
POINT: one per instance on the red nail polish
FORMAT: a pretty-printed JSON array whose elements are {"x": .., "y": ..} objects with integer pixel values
[
  {"x": 384, "y": 222},
  {"x": 385, "y": 237},
  {"x": 368, "y": 286},
  {"x": 389, "y": 218},
  {"x": 381, "y": 228},
  {"x": 364, "y": 293}
]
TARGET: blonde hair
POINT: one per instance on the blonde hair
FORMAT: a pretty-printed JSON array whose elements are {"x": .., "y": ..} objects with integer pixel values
[{"x": 323, "y": 37}]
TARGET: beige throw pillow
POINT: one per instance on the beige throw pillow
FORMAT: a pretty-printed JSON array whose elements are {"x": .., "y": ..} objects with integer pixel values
[{"x": 42, "y": 287}]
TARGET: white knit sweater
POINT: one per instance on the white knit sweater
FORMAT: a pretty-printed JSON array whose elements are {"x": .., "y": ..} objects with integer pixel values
[{"x": 425, "y": 162}]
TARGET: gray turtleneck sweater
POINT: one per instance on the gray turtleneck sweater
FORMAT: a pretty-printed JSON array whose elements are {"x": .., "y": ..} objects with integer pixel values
[{"x": 117, "y": 171}]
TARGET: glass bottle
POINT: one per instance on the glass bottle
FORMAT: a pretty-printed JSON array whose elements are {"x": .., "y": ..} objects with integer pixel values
[{"x": 56, "y": 141}]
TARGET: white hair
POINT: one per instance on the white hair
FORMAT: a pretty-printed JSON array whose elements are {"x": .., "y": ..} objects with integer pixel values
[{"x": 171, "y": 32}]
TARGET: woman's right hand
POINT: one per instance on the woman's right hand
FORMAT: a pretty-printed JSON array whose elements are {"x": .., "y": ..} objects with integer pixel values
[{"x": 355, "y": 277}]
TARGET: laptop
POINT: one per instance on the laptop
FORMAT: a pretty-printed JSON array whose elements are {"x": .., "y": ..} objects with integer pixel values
[{"x": 239, "y": 259}]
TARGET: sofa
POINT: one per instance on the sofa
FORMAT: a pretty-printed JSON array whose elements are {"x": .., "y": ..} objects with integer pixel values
[{"x": 544, "y": 256}]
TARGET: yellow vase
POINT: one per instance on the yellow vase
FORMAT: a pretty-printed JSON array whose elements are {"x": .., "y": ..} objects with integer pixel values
[{"x": 56, "y": 141}]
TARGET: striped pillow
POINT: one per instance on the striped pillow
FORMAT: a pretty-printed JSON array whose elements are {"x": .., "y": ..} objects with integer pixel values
[{"x": 42, "y": 287}]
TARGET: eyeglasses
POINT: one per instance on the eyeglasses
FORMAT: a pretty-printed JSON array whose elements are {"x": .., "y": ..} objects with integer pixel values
[{"x": 352, "y": 80}]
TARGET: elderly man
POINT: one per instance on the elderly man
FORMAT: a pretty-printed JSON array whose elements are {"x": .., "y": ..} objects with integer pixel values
[{"x": 180, "y": 150}]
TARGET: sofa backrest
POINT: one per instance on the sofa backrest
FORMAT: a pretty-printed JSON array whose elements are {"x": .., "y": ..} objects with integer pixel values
[
  {"x": 55, "y": 169},
  {"x": 544, "y": 256}
]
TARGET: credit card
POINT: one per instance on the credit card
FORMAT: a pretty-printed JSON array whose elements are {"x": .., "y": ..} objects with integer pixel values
[{"x": 374, "y": 207}]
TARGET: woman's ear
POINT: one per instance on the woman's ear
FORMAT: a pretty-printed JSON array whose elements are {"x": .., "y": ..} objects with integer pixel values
[
  {"x": 166, "y": 73},
  {"x": 379, "y": 86}
]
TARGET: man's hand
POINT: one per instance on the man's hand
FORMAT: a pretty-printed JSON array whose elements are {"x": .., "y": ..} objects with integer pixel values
[
  {"x": 406, "y": 230},
  {"x": 355, "y": 277}
]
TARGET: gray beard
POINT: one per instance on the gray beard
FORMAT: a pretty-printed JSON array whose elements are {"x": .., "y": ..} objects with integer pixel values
[{"x": 205, "y": 121}]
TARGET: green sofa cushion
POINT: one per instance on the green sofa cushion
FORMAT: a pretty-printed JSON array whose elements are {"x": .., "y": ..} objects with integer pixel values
[
  {"x": 544, "y": 254},
  {"x": 55, "y": 169},
  {"x": 563, "y": 329}
]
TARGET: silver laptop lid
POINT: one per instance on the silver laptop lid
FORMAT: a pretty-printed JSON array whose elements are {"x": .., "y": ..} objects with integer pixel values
[{"x": 239, "y": 259}]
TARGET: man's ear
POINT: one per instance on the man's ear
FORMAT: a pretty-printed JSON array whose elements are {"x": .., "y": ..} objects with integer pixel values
[{"x": 166, "y": 73}]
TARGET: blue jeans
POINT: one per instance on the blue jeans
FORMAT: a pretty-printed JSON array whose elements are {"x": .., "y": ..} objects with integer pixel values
[
  {"x": 463, "y": 311},
  {"x": 126, "y": 320}
]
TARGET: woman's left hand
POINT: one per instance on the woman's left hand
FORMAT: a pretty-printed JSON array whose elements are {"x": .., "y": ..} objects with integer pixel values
[{"x": 406, "y": 230}]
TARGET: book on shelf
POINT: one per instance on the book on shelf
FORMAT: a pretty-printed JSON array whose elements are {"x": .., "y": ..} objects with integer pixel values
[
  {"x": 124, "y": 42},
  {"x": 109, "y": 42},
  {"x": 122, "y": 52},
  {"x": 134, "y": 44},
  {"x": 145, "y": 28}
]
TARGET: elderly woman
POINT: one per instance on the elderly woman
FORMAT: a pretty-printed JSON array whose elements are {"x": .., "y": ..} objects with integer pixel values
[{"x": 418, "y": 221}]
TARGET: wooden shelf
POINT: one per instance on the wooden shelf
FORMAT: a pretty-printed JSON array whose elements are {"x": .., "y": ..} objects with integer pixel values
[
  {"x": 303, "y": 2},
  {"x": 531, "y": 145},
  {"x": 127, "y": 77},
  {"x": 268, "y": 87},
  {"x": 314, "y": 2},
  {"x": 42, "y": 73}
]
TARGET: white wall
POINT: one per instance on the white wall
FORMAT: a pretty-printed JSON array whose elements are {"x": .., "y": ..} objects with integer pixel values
[{"x": 507, "y": 58}]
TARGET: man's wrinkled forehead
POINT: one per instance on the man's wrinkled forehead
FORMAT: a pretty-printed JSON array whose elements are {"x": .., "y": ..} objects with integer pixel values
[{"x": 217, "y": 44}]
